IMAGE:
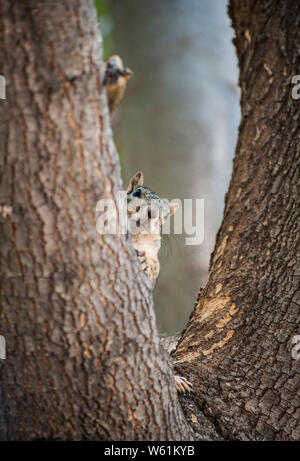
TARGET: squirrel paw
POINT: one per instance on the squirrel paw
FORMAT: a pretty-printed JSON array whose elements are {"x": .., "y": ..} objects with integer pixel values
[{"x": 183, "y": 385}]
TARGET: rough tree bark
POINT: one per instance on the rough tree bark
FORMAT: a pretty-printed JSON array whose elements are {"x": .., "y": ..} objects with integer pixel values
[
  {"x": 237, "y": 346},
  {"x": 83, "y": 354}
]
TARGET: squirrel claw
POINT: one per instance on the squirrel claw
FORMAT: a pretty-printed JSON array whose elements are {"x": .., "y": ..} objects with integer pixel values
[{"x": 183, "y": 385}]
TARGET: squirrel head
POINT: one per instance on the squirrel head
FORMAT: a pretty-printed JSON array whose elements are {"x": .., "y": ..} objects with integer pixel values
[{"x": 145, "y": 209}]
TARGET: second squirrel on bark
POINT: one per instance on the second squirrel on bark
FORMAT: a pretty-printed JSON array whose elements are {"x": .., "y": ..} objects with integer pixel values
[{"x": 115, "y": 80}]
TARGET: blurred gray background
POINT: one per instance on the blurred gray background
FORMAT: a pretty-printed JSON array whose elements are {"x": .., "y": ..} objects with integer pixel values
[{"x": 177, "y": 123}]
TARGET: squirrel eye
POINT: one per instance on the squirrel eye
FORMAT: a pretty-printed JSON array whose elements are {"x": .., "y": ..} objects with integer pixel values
[{"x": 137, "y": 193}]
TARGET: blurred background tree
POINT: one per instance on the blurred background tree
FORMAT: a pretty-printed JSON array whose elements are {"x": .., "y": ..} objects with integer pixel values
[{"x": 178, "y": 122}]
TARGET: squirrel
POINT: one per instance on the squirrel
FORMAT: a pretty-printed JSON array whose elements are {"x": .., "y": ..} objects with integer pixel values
[
  {"x": 147, "y": 212},
  {"x": 115, "y": 80}
]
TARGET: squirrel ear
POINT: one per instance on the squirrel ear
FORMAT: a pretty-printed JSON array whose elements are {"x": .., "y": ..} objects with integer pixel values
[
  {"x": 173, "y": 208},
  {"x": 136, "y": 181}
]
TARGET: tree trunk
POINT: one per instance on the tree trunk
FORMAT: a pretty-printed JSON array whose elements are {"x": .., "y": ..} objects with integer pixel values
[
  {"x": 83, "y": 354},
  {"x": 238, "y": 345}
]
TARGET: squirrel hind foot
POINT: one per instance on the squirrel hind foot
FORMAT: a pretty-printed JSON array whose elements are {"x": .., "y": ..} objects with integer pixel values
[{"x": 183, "y": 385}]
